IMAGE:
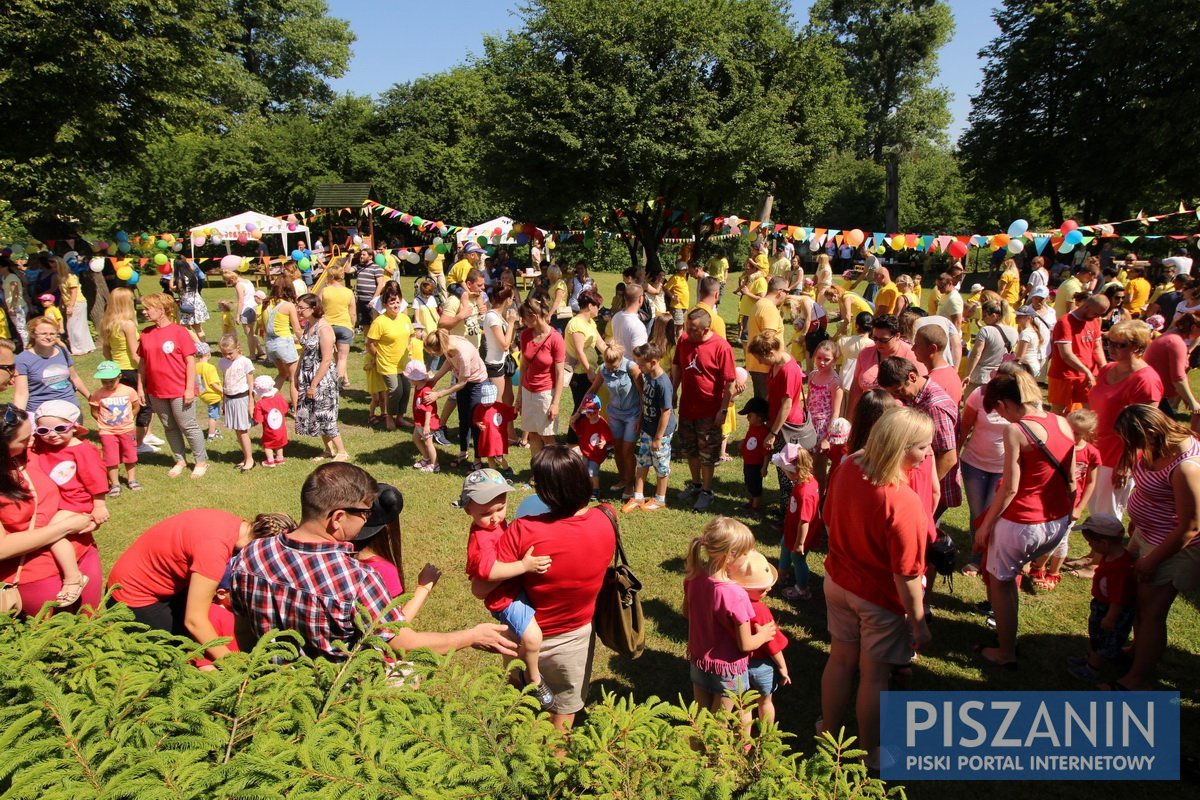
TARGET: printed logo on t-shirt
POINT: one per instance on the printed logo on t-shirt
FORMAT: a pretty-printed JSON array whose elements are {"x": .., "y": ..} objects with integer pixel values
[
  {"x": 792, "y": 506},
  {"x": 57, "y": 377},
  {"x": 497, "y": 418},
  {"x": 274, "y": 419},
  {"x": 63, "y": 472},
  {"x": 116, "y": 410},
  {"x": 594, "y": 440},
  {"x": 752, "y": 443},
  {"x": 168, "y": 347}
]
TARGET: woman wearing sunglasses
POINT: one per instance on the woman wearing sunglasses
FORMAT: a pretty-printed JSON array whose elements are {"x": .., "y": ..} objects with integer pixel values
[{"x": 31, "y": 522}]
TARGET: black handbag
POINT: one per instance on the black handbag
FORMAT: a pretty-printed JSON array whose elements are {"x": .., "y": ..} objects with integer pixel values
[{"x": 618, "y": 620}]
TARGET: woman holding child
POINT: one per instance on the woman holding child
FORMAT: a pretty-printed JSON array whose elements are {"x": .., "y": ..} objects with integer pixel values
[{"x": 30, "y": 522}]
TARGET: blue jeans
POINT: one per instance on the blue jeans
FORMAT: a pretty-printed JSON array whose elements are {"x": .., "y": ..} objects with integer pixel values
[
  {"x": 980, "y": 489},
  {"x": 796, "y": 562},
  {"x": 468, "y": 397}
]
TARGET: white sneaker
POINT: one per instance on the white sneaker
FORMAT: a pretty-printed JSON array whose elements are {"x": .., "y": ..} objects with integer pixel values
[
  {"x": 145, "y": 449},
  {"x": 153, "y": 440}
]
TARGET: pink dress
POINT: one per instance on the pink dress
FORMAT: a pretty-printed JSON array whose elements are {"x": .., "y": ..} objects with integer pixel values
[{"x": 820, "y": 406}]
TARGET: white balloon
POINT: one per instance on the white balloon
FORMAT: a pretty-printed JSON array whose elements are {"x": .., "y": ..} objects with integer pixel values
[
  {"x": 1015, "y": 246},
  {"x": 96, "y": 265},
  {"x": 178, "y": 246},
  {"x": 413, "y": 258},
  {"x": 430, "y": 254},
  {"x": 358, "y": 240},
  {"x": 215, "y": 239},
  {"x": 814, "y": 244},
  {"x": 437, "y": 240}
]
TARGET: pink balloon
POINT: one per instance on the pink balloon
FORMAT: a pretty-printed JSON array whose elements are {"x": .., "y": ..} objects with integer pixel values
[{"x": 1068, "y": 226}]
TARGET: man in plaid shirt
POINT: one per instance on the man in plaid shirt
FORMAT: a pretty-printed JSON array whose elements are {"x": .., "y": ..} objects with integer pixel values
[
  {"x": 309, "y": 580},
  {"x": 900, "y": 378}
]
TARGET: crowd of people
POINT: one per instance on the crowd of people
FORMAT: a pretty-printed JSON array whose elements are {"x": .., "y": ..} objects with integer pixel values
[{"x": 878, "y": 406}]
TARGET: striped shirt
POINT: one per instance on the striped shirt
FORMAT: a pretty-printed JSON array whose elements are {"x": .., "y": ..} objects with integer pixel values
[
  {"x": 279, "y": 583},
  {"x": 1152, "y": 506}
]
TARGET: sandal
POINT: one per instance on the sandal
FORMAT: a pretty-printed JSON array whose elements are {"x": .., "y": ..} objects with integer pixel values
[
  {"x": 177, "y": 470},
  {"x": 795, "y": 593},
  {"x": 114, "y": 490},
  {"x": 134, "y": 486},
  {"x": 971, "y": 570},
  {"x": 70, "y": 596}
]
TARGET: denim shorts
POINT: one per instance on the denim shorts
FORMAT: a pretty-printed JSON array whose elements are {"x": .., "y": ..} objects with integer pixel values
[
  {"x": 593, "y": 469},
  {"x": 647, "y": 458},
  {"x": 248, "y": 316},
  {"x": 283, "y": 348},
  {"x": 762, "y": 676},
  {"x": 719, "y": 684},
  {"x": 517, "y": 615},
  {"x": 342, "y": 335},
  {"x": 624, "y": 429},
  {"x": 214, "y": 410}
]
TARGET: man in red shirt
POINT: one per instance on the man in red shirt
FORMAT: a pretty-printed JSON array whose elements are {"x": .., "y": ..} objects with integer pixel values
[
  {"x": 1076, "y": 355},
  {"x": 703, "y": 373},
  {"x": 929, "y": 346}
]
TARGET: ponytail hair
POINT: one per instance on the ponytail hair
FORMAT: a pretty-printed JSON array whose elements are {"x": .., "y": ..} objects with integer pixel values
[
  {"x": 271, "y": 524},
  {"x": 723, "y": 541}
]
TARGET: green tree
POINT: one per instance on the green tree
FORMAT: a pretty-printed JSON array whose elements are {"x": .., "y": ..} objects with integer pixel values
[
  {"x": 890, "y": 49},
  {"x": 635, "y": 110},
  {"x": 933, "y": 194},
  {"x": 1068, "y": 109}
]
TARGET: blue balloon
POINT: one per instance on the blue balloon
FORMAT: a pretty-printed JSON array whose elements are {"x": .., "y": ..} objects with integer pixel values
[
  {"x": 1074, "y": 237},
  {"x": 297, "y": 255},
  {"x": 1017, "y": 229},
  {"x": 122, "y": 236},
  {"x": 123, "y": 246},
  {"x": 1066, "y": 247},
  {"x": 73, "y": 262},
  {"x": 134, "y": 278}
]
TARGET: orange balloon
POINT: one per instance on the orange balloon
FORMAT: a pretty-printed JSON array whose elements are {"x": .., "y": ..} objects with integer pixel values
[
  {"x": 854, "y": 237},
  {"x": 1000, "y": 240}
]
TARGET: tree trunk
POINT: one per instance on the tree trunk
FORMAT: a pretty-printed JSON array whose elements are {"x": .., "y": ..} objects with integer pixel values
[
  {"x": 892, "y": 195},
  {"x": 766, "y": 204}
]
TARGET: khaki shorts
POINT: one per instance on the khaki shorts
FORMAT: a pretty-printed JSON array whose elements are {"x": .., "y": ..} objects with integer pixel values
[
  {"x": 699, "y": 438},
  {"x": 566, "y": 664},
  {"x": 1181, "y": 570},
  {"x": 535, "y": 412},
  {"x": 882, "y": 634}
]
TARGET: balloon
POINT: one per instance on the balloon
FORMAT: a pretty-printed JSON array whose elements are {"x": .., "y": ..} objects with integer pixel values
[
  {"x": 854, "y": 237},
  {"x": 430, "y": 255},
  {"x": 160, "y": 259},
  {"x": 256, "y": 235},
  {"x": 880, "y": 250},
  {"x": 251, "y": 227},
  {"x": 814, "y": 245},
  {"x": 101, "y": 246},
  {"x": 177, "y": 247},
  {"x": 122, "y": 236},
  {"x": 417, "y": 222},
  {"x": 291, "y": 218},
  {"x": 96, "y": 265},
  {"x": 164, "y": 269},
  {"x": 522, "y": 238},
  {"x": 242, "y": 237},
  {"x": 1068, "y": 226},
  {"x": 742, "y": 374},
  {"x": 216, "y": 239},
  {"x": 1066, "y": 247},
  {"x": 305, "y": 265},
  {"x": 162, "y": 244},
  {"x": 198, "y": 240},
  {"x": 231, "y": 262},
  {"x": 243, "y": 264},
  {"x": 297, "y": 255},
  {"x": 380, "y": 259},
  {"x": 1000, "y": 240},
  {"x": 133, "y": 278},
  {"x": 291, "y": 226},
  {"x": 1015, "y": 246},
  {"x": 550, "y": 245},
  {"x": 898, "y": 241},
  {"x": 437, "y": 240},
  {"x": 1074, "y": 237},
  {"x": 957, "y": 249},
  {"x": 124, "y": 273},
  {"x": 358, "y": 240},
  {"x": 481, "y": 241},
  {"x": 123, "y": 246},
  {"x": 1017, "y": 229},
  {"x": 414, "y": 258},
  {"x": 442, "y": 248}
]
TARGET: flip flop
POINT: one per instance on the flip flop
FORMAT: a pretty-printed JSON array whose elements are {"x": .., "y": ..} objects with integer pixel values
[{"x": 1008, "y": 665}]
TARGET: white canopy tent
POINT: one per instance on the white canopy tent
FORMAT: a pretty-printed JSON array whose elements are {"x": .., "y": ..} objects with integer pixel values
[
  {"x": 230, "y": 227},
  {"x": 488, "y": 229}
]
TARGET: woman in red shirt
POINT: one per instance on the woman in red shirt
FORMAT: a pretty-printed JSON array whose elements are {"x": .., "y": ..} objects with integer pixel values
[
  {"x": 30, "y": 521},
  {"x": 877, "y": 536},
  {"x": 542, "y": 355},
  {"x": 168, "y": 371},
  {"x": 581, "y": 541},
  {"x": 1032, "y": 508}
]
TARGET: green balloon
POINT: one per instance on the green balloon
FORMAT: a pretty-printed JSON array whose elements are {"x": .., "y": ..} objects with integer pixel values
[
  {"x": 482, "y": 241},
  {"x": 161, "y": 244},
  {"x": 442, "y": 248},
  {"x": 380, "y": 260},
  {"x": 417, "y": 222},
  {"x": 160, "y": 258},
  {"x": 304, "y": 264}
]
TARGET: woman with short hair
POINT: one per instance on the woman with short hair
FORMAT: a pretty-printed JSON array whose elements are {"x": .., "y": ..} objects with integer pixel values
[
  {"x": 168, "y": 374},
  {"x": 580, "y": 540},
  {"x": 387, "y": 344},
  {"x": 542, "y": 355}
]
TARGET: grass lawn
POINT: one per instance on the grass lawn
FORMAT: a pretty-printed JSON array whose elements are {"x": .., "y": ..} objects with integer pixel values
[{"x": 1053, "y": 624}]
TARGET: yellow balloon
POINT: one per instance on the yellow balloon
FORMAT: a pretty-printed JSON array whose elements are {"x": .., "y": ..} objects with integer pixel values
[
  {"x": 244, "y": 266},
  {"x": 898, "y": 241},
  {"x": 124, "y": 273},
  {"x": 550, "y": 245}
]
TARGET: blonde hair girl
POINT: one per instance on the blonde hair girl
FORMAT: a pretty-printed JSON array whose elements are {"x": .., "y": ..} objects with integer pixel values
[{"x": 719, "y": 615}]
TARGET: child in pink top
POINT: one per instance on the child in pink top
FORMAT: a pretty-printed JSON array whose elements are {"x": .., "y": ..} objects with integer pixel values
[
  {"x": 757, "y": 575},
  {"x": 720, "y": 617},
  {"x": 115, "y": 407}
]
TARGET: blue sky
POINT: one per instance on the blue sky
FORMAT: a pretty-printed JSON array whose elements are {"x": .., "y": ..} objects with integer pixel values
[{"x": 400, "y": 41}]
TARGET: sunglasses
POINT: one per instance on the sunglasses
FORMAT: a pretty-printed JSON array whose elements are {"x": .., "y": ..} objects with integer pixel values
[
  {"x": 1119, "y": 345},
  {"x": 882, "y": 340},
  {"x": 40, "y": 431},
  {"x": 355, "y": 510},
  {"x": 13, "y": 416},
  {"x": 9, "y": 368}
]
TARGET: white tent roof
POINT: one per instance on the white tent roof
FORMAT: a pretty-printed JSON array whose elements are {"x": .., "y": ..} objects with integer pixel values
[{"x": 231, "y": 226}]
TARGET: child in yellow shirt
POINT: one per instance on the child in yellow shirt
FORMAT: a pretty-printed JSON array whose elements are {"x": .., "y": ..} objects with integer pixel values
[{"x": 208, "y": 387}]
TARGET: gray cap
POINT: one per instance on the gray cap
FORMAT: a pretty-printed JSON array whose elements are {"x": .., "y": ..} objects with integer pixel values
[{"x": 483, "y": 486}]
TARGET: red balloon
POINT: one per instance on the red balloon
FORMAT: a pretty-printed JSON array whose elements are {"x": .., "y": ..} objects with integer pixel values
[
  {"x": 1068, "y": 226},
  {"x": 165, "y": 269},
  {"x": 957, "y": 249}
]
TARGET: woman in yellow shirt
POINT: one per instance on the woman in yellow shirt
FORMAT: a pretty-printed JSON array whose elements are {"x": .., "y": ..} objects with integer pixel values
[
  {"x": 387, "y": 356},
  {"x": 1009, "y": 289},
  {"x": 78, "y": 335},
  {"x": 580, "y": 340},
  {"x": 849, "y": 304},
  {"x": 281, "y": 327},
  {"x": 560, "y": 309},
  {"x": 908, "y": 298},
  {"x": 341, "y": 313},
  {"x": 752, "y": 288}
]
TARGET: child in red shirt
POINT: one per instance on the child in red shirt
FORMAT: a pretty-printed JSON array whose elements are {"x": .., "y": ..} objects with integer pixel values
[
  {"x": 492, "y": 419},
  {"x": 270, "y": 411},
  {"x": 754, "y": 452},
  {"x": 1045, "y": 572},
  {"x": 595, "y": 437},
  {"x": 76, "y": 468},
  {"x": 425, "y": 417},
  {"x": 485, "y": 499},
  {"x": 757, "y": 575},
  {"x": 115, "y": 407},
  {"x": 1113, "y": 596},
  {"x": 799, "y": 518}
]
